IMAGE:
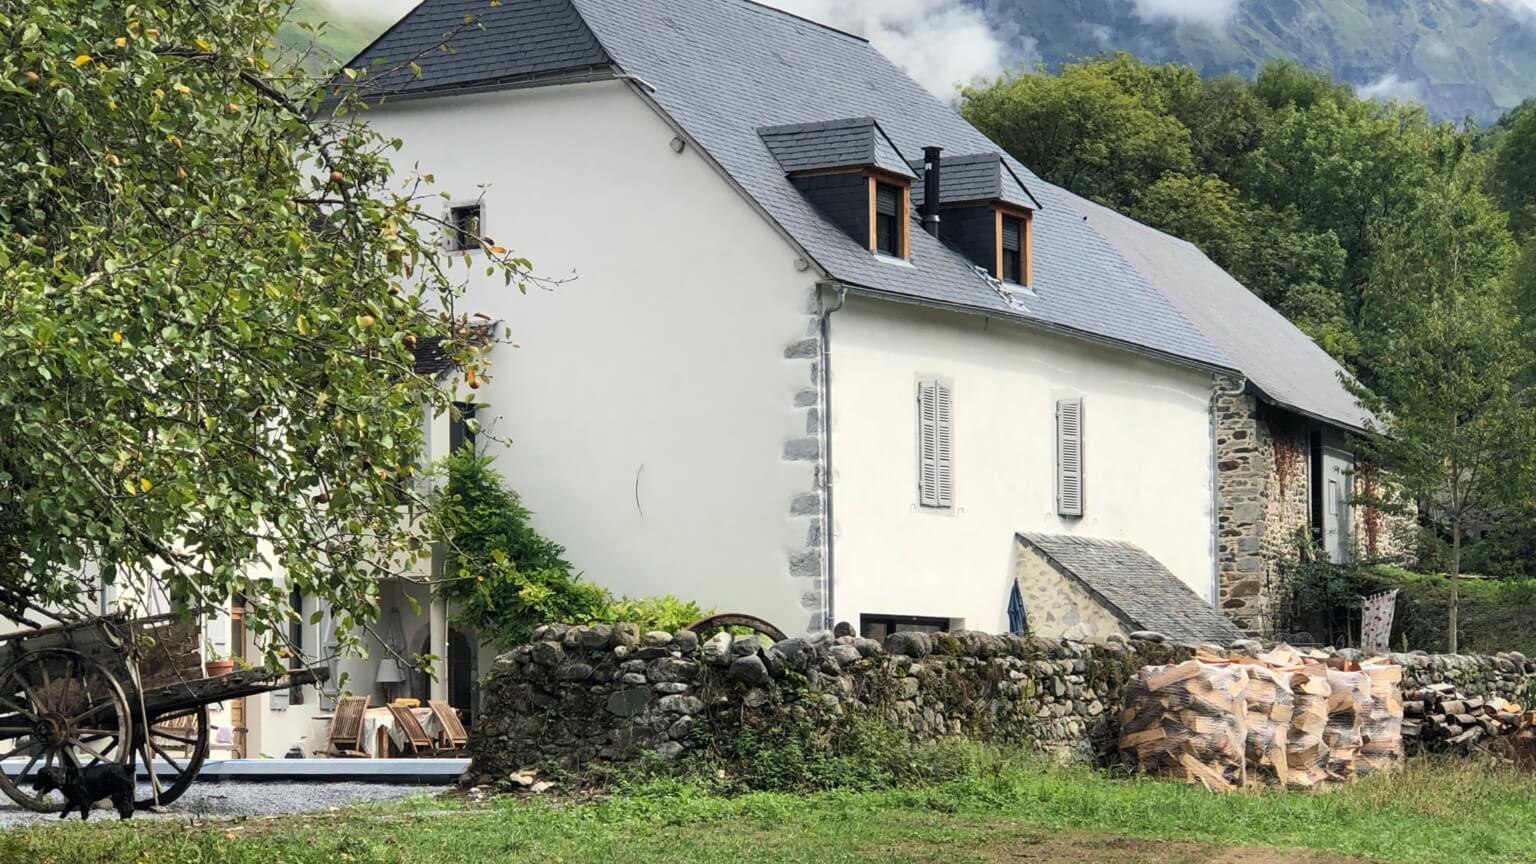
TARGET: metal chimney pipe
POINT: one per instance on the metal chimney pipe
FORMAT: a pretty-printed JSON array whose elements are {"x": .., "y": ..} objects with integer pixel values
[{"x": 931, "y": 169}]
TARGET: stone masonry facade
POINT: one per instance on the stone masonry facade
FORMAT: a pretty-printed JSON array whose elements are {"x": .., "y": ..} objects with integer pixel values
[
  {"x": 1262, "y": 469},
  {"x": 579, "y": 698},
  {"x": 1263, "y": 460}
]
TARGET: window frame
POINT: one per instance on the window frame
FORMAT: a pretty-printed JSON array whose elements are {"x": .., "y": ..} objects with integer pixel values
[
  {"x": 901, "y": 229},
  {"x": 892, "y": 622},
  {"x": 454, "y": 238},
  {"x": 1025, "y": 252}
]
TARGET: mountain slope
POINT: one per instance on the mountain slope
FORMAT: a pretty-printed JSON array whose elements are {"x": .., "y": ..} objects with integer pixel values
[{"x": 1460, "y": 57}]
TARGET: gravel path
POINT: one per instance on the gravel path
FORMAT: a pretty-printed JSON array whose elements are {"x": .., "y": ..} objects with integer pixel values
[{"x": 229, "y": 799}]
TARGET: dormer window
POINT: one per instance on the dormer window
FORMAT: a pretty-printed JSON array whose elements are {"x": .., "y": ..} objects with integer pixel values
[
  {"x": 890, "y": 219},
  {"x": 1012, "y": 248},
  {"x": 853, "y": 175},
  {"x": 984, "y": 212}
]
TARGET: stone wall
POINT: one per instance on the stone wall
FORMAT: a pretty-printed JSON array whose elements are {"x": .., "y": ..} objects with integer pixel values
[
  {"x": 580, "y": 697},
  {"x": 1261, "y": 502}
]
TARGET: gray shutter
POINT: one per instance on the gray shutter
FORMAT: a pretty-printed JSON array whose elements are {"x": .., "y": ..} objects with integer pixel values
[
  {"x": 935, "y": 462},
  {"x": 928, "y": 443},
  {"x": 1069, "y": 457},
  {"x": 946, "y": 470}
]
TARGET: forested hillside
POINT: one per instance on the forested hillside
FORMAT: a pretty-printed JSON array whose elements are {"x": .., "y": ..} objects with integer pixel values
[{"x": 1460, "y": 57}]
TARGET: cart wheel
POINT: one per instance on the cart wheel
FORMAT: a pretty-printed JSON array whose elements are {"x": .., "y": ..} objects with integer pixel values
[
  {"x": 183, "y": 733},
  {"x": 59, "y": 708},
  {"x": 732, "y": 621}
]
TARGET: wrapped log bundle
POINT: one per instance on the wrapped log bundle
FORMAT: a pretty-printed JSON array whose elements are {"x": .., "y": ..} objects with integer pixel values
[
  {"x": 1350, "y": 691},
  {"x": 1381, "y": 747},
  {"x": 1306, "y": 753},
  {"x": 1187, "y": 721},
  {"x": 1269, "y": 707}
]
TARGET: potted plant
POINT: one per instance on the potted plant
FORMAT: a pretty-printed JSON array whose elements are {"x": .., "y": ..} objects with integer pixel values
[{"x": 217, "y": 664}]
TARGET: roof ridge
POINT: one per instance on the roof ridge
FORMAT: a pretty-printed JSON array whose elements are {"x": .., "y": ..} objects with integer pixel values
[{"x": 787, "y": 14}]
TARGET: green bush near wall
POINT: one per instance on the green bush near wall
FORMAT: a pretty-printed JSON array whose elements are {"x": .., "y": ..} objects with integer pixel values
[{"x": 1494, "y": 614}]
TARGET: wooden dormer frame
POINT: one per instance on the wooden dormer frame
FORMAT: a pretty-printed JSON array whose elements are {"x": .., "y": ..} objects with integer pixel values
[
  {"x": 874, "y": 177},
  {"x": 1026, "y": 241}
]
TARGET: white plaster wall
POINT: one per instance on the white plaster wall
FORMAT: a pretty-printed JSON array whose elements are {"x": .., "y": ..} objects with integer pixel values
[
  {"x": 1146, "y": 458},
  {"x": 658, "y": 374}
]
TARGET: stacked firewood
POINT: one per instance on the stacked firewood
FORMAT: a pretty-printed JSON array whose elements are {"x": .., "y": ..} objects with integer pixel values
[
  {"x": 1187, "y": 721},
  {"x": 1280, "y": 719},
  {"x": 1381, "y": 726},
  {"x": 1440, "y": 718}
]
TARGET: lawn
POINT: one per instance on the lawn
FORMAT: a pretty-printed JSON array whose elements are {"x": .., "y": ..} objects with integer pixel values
[{"x": 1010, "y": 811}]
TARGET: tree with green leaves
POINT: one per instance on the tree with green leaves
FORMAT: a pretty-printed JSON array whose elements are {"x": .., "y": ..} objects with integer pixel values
[
  {"x": 210, "y": 292},
  {"x": 1441, "y": 335}
]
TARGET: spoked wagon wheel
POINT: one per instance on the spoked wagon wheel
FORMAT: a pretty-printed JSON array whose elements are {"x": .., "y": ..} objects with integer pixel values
[
  {"x": 737, "y": 623},
  {"x": 180, "y": 741},
  {"x": 59, "y": 709}
]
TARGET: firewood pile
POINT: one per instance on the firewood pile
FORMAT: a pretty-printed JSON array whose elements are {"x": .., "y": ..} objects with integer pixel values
[
  {"x": 1440, "y": 718},
  {"x": 1280, "y": 719}
]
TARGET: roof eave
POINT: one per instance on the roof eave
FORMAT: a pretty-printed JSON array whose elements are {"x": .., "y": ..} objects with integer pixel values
[
  {"x": 552, "y": 78},
  {"x": 1049, "y": 326}
]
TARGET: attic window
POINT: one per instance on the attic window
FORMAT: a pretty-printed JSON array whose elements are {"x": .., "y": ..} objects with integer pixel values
[
  {"x": 464, "y": 227},
  {"x": 1013, "y": 247},
  {"x": 888, "y": 219}
]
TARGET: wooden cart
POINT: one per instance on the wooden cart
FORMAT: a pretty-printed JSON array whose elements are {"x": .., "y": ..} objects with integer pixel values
[{"x": 114, "y": 689}]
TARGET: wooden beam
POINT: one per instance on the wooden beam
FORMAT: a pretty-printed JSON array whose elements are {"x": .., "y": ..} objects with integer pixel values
[
  {"x": 873, "y": 216},
  {"x": 904, "y": 221},
  {"x": 997, "y": 234},
  {"x": 1028, "y": 274}
]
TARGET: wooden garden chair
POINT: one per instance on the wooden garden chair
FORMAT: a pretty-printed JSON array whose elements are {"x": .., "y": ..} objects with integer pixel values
[
  {"x": 416, "y": 736},
  {"x": 454, "y": 735},
  {"x": 347, "y": 726}
]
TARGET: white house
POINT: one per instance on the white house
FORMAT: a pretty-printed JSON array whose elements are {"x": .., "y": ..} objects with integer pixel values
[
  {"x": 779, "y": 384},
  {"x": 829, "y": 354}
]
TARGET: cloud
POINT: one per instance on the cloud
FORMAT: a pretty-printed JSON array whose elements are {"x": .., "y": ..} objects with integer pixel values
[
  {"x": 940, "y": 43},
  {"x": 369, "y": 10},
  {"x": 1520, "y": 7},
  {"x": 1216, "y": 13},
  {"x": 1390, "y": 87}
]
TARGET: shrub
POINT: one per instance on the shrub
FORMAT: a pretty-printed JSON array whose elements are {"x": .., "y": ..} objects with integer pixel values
[{"x": 505, "y": 579}]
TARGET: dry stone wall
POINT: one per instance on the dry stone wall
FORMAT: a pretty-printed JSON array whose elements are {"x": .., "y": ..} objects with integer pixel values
[{"x": 581, "y": 697}]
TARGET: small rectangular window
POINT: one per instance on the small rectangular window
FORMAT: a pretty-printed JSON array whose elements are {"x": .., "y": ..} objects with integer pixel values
[
  {"x": 935, "y": 468},
  {"x": 460, "y": 430},
  {"x": 464, "y": 227},
  {"x": 1069, "y": 457},
  {"x": 880, "y": 626},
  {"x": 888, "y": 219},
  {"x": 1013, "y": 250}
]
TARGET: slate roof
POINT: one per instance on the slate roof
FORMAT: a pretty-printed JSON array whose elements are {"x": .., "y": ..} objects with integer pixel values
[
  {"x": 1282, "y": 363},
  {"x": 856, "y": 141},
  {"x": 975, "y": 177},
  {"x": 723, "y": 69},
  {"x": 1135, "y": 586},
  {"x": 462, "y": 42}
]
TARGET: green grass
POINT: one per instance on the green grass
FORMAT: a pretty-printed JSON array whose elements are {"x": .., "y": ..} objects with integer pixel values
[{"x": 1431, "y": 812}]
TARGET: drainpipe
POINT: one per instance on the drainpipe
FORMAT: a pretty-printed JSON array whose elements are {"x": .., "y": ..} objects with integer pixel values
[
  {"x": 824, "y": 384},
  {"x": 1216, "y": 394}
]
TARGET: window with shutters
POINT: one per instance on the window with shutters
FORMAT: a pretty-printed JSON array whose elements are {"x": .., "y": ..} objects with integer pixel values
[
  {"x": 889, "y": 216},
  {"x": 935, "y": 434},
  {"x": 1069, "y": 457},
  {"x": 1013, "y": 250}
]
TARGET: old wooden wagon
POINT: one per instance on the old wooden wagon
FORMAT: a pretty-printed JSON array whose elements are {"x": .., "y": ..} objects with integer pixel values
[{"x": 131, "y": 691}]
